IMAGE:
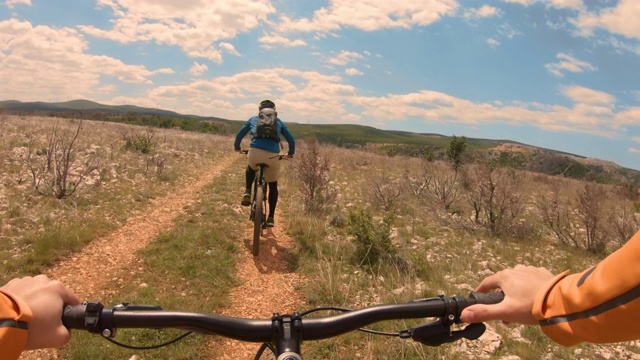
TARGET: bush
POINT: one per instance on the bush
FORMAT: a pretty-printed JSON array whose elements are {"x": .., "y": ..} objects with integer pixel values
[
  {"x": 142, "y": 143},
  {"x": 311, "y": 169},
  {"x": 373, "y": 241}
]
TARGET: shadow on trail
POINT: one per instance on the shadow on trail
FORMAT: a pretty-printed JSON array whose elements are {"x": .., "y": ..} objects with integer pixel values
[{"x": 273, "y": 257}]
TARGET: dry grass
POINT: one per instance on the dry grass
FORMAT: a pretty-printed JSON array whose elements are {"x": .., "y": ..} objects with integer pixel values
[
  {"x": 38, "y": 229},
  {"x": 445, "y": 254},
  {"x": 441, "y": 252}
]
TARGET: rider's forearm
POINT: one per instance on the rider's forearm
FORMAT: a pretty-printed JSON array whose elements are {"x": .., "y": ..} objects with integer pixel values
[
  {"x": 14, "y": 316},
  {"x": 241, "y": 134},
  {"x": 290, "y": 140},
  {"x": 599, "y": 305}
]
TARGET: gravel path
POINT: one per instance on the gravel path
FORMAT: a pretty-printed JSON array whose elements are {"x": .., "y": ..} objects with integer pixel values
[{"x": 267, "y": 285}]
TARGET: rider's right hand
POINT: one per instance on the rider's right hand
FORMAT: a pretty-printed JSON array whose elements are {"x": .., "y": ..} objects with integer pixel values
[{"x": 520, "y": 286}]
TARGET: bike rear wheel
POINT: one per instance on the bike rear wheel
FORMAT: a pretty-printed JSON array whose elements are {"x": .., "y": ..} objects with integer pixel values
[{"x": 258, "y": 219}]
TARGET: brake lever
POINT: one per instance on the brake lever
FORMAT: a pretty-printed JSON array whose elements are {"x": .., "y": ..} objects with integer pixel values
[{"x": 437, "y": 333}]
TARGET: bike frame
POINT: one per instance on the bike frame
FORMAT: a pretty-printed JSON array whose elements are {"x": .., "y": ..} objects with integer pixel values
[
  {"x": 258, "y": 208},
  {"x": 284, "y": 334},
  {"x": 259, "y": 204}
]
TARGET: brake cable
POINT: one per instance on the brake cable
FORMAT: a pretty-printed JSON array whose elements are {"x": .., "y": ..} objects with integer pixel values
[
  {"x": 365, "y": 330},
  {"x": 150, "y": 347}
]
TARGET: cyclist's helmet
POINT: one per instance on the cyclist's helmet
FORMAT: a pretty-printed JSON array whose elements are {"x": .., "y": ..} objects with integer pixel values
[{"x": 266, "y": 104}]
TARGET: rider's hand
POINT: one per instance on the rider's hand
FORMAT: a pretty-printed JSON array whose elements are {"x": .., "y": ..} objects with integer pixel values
[
  {"x": 520, "y": 286},
  {"x": 46, "y": 298}
]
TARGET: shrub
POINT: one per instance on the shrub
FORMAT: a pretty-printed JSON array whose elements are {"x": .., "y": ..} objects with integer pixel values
[
  {"x": 142, "y": 143},
  {"x": 590, "y": 211},
  {"x": 495, "y": 196},
  {"x": 311, "y": 169},
  {"x": 385, "y": 192},
  {"x": 373, "y": 241},
  {"x": 58, "y": 170}
]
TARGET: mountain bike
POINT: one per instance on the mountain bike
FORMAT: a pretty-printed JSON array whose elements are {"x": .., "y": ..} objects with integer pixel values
[
  {"x": 284, "y": 334},
  {"x": 259, "y": 204}
]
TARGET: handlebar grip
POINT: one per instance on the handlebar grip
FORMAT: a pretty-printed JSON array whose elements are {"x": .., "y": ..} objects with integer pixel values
[
  {"x": 489, "y": 298},
  {"x": 73, "y": 317}
]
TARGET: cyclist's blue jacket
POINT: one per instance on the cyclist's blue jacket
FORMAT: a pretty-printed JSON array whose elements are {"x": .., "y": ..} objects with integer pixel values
[{"x": 270, "y": 145}]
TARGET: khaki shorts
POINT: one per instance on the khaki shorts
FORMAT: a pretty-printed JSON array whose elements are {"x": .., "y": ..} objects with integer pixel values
[{"x": 259, "y": 156}]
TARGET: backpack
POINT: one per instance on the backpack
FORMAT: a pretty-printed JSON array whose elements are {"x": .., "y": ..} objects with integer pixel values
[{"x": 267, "y": 127}]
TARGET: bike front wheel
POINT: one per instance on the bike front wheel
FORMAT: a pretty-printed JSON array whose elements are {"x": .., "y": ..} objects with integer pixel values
[{"x": 258, "y": 219}]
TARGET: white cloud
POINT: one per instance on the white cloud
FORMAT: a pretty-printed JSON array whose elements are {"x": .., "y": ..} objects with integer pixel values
[
  {"x": 300, "y": 95},
  {"x": 309, "y": 96},
  {"x": 619, "y": 45},
  {"x": 352, "y": 72},
  {"x": 194, "y": 26},
  {"x": 44, "y": 63},
  {"x": 272, "y": 40},
  {"x": 344, "y": 57},
  {"x": 568, "y": 63},
  {"x": 371, "y": 15},
  {"x": 621, "y": 19},
  {"x": 508, "y": 31},
  {"x": 493, "y": 42},
  {"x": 636, "y": 139},
  {"x": 567, "y": 4},
  {"x": 229, "y": 48},
  {"x": 580, "y": 94},
  {"x": 198, "y": 69},
  {"x": 11, "y": 3},
  {"x": 628, "y": 117},
  {"x": 592, "y": 111},
  {"x": 560, "y": 4},
  {"x": 634, "y": 150},
  {"x": 484, "y": 11}
]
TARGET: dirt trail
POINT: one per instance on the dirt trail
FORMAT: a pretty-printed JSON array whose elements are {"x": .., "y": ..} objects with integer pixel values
[
  {"x": 268, "y": 285},
  {"x": 112, "y": 257}
]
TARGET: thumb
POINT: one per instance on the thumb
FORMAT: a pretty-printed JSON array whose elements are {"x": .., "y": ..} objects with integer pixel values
[{"x": 477, "y": 313}]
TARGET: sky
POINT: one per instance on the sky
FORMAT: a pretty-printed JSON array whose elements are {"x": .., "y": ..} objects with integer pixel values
[{"x": 558, "y": 74}]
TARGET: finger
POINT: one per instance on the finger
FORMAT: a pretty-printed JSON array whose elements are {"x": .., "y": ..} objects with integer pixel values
[
  {"x": 69, "y": 297},
  {"x": 481, "y": 313},
  {"x": 491, "y": 282}
]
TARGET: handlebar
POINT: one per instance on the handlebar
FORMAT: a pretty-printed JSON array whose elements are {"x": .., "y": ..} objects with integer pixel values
[
  {"x": 288, "y": 331},
  {"x": 279, "y": 156}
]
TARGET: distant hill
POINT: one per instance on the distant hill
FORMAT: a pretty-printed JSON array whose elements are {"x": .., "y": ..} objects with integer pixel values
[
  {"x": 506, "y": 152},
  {"x": 75, "y": 105}
]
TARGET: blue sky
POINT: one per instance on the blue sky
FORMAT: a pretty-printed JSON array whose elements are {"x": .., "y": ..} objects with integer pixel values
[{"x": 560, "y": 74}]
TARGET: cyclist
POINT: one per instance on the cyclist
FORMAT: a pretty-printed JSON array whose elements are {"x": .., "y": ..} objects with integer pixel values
[
  {"x": 265, "y": 149},
  {"x": 31, "y": 315},
  {"x": 599, "y": 305}
]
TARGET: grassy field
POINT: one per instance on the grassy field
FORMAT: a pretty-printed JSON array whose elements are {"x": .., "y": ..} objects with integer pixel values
[{"x": 429, "y": 249}]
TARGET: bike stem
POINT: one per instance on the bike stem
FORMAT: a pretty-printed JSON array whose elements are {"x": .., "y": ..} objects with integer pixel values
[{"x": 287, "y": 335}]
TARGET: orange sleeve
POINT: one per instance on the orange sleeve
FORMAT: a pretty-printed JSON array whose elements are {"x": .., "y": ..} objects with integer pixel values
[
  {"x": 14, "y": 316},
  {"x": 599, "y": 305}
]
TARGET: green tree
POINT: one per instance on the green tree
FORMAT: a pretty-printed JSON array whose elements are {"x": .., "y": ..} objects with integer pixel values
[{"x": 456, "y": 149}]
